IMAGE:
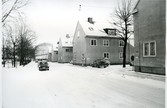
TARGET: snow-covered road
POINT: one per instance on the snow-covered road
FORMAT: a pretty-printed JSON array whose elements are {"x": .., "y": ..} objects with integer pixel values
[{"x": 70, "y": 86}]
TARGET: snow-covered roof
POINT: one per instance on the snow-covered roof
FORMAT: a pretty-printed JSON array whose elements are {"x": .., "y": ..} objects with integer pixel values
[
  {"x": 96, "y": 29},
  {"x": 55, "y": 47},
  {"x": 137, "y": 2},
  {"x": 66, "y": 41}
]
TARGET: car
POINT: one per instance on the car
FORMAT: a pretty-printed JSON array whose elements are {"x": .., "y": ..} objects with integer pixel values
[
  {"x": 43, "y": 65},
  {"x": 99, "y": 63},
  {"x": 36, "y": 61}
]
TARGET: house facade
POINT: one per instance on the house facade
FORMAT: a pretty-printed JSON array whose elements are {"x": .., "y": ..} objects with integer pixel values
[
  {"x": 92, "y": 42},
  {"x": 65, "y": 49},
  {"x": 149, "y": 36},
  {"x": 55, "y": 55}
]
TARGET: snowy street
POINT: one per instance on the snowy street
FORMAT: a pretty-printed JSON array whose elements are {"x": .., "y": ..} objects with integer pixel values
[{"x": 71, "y": 86}]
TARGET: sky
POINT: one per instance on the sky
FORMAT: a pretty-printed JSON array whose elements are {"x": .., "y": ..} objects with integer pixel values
[{"x": 51, "y": 19}]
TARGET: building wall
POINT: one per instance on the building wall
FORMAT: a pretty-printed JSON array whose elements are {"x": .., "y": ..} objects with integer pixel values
[
  {"x": 50, "y": 57},
  {"x": 54, "y": 56},
  {"x": 66, "y": 56},
  {"x": 79, "y": 45},
  {"x": 149, "y": 25},
  {"x": 96, "y": 52}
]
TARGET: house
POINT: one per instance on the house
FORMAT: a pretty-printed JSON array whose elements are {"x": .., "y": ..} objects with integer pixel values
[
  {"x": 42, "y": 51},
  {"x": 65, "y": 49},
  {"x": 94, "y": 40},
  {"x": 55, "y": 54},
  {"x": 149, "y": 36}
]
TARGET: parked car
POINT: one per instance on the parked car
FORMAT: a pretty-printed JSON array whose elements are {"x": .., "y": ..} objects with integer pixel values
[
  {"x": 107, "y": 61},
  {"x": 36, "y": 61},
  {"x": 100, "y": 63},
  {"x": 43, "y": 65}
]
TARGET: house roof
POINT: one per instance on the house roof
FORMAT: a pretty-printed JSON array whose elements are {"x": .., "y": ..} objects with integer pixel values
[
  {"x": 96, "y": 29},
  {"x": 66, "y": 41},
  {"x": 137, "y": 2}
]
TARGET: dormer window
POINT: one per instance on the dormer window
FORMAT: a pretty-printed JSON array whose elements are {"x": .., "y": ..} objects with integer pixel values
[
  {"x": 112, "y": 32},
  {"x": 91, "y": 29}
]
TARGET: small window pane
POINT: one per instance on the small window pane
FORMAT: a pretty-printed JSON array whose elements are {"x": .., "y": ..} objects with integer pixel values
[
  {"x": 106, "y": 42},
  {"x": 121, "y": 43},
  {"x": 106, "y": 55},
  {"x": 152, "y": 48},
  {"x": 112, "y": 32},
  {"x": 146, "y": 49},
  {"x": 120, "y": 55},
  {"x": 93, "y": 42}
]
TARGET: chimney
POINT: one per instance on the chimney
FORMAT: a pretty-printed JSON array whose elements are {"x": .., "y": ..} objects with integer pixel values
[
  {"x": 67, "y": 36},
  {"x": 90, "y": 20}
]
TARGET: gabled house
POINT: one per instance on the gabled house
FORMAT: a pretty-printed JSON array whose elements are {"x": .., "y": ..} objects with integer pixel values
[
  {"x": 149, "y": 36},
  {"x": 93, "y": 40},
  {"x": 65, "y": 49}
]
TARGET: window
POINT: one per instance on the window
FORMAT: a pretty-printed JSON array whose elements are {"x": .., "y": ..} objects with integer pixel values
[
  {"x": 106, "y": 55},
  {"x": 106, "y": 43},
  {"x": 69, "y": 50},
  {"x": 149, "y": 49},
  {"x": 121, "y": 55},
  {"x": 93, "y": 42},
  {"x": 91, "y": 29},
  {"x": 112, "y": 32},
  {"x": 78, "y": 33},
  {"x": 121, "y": 43}
]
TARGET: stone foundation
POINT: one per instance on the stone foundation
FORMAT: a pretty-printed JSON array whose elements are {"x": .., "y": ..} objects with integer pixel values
[{"x": 152, "y": 70}]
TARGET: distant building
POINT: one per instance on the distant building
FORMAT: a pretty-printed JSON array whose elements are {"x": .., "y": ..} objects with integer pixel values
[
  {"x": 149, "y": 36},
  {"x": 93, "y": 40},
  {"x": 65, "y": 49},
  {"x": 55, "y": 55},
  {"x": 43, "y": 51}
]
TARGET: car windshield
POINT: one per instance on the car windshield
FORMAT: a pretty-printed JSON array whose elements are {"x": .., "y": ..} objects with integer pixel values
[{"x": 43, "y": 63}]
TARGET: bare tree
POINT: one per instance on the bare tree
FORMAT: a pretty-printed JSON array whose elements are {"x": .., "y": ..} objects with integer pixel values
[
  {"x": 11, "y": 10},
  {"x": 18, "y": 41},
  {"x": 124, "y": 23},
  {"x": 11, "y": 40},
  {"x": 26, "y": 39},
  {"x": 11, "y": 7}
]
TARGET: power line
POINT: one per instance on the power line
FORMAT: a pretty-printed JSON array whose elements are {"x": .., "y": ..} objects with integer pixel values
[{"x": 92, "y": 7}]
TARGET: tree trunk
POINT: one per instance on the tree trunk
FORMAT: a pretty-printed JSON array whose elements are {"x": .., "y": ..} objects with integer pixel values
[
  {"x": 125, "y": 43},
  {"x": 14, "y": 61},
  {"x": 124, "y": 54}
]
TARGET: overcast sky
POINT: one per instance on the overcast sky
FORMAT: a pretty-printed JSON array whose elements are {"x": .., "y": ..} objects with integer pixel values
[{"x": 52, "y": 19}]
